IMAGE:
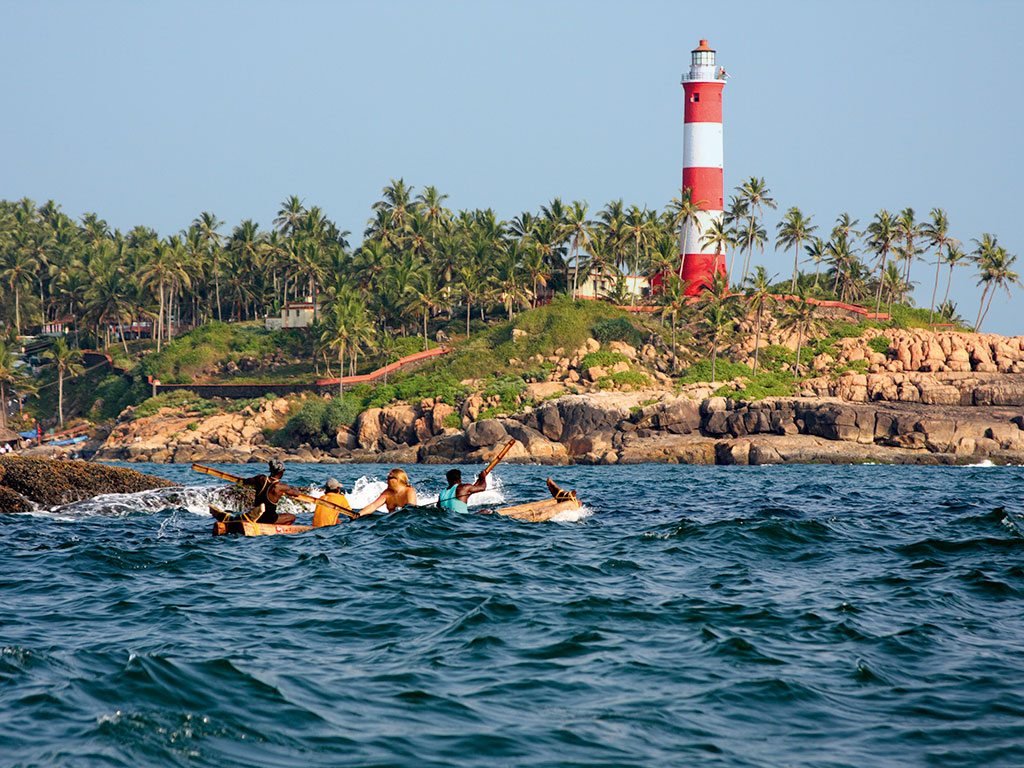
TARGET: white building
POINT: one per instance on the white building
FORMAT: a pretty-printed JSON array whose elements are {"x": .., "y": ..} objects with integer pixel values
[{"x": 294, "y": 314}]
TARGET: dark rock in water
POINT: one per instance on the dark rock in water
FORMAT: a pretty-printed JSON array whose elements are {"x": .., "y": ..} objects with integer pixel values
[{"x": 52, "y": 482}]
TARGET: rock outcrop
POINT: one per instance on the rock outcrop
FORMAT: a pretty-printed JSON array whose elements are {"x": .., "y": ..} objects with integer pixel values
[{"x": 26, "y": 482}]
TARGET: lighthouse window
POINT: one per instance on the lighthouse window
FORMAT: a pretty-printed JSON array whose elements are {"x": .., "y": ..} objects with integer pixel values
[{"x": 694, "y": 97}]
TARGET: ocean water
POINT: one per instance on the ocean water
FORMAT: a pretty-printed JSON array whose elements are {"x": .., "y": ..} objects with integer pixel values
[{"x": 712, "y": 616}]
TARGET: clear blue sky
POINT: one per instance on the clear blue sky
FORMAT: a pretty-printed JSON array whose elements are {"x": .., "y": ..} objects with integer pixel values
[{"x": 150, "y": 112}]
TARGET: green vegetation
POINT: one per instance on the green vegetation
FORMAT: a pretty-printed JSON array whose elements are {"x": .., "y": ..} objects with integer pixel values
[
  {"x": 317, "y": 422},
  {"x": 196, "y": 354},
  {"x": 765, "y": 384},
  {"x": 178, "y": 400},
  {"x": 602, "y": 358},
  {"x": 617, "y": 329},
  {"x": 879, "y": 344},
  {"x": 634, "y": 379}
]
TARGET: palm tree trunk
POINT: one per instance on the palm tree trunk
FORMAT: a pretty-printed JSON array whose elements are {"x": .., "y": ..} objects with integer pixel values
[
  {"x": 60, "y": 397},
  {"x": 17, "y": 310},
  {"x": 160, "y": 319},
  {"x": 935, "y": 289},
  {"x": 949, "y": 282},
  {"x": 757, "y": 337},
  {"x": 341, "y": 371},
  {"x": 424, "y": 330},
  {"x": 881, "y": 278},
  {"x": 796, "y": 266},
  {"x": 3, "y": 404},
  {"x": 714, "y": 358},
  {"x": 467, "y": 318},
  {"x": 799, "y": 344},
  {"x": 981, "y": 307}
]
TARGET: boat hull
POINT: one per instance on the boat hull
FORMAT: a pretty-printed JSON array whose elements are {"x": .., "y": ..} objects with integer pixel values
[
  {"x": 224, "y": 527},
  {"x": 538, "y": 511}
]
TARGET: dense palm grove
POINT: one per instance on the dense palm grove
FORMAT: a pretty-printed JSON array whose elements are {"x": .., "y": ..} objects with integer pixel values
[{"x": 419, "y": 260}]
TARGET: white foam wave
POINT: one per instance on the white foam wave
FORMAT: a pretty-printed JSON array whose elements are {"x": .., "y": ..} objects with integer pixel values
[
  {"x": 982, "y": 463},
  {"x": 572, "y": 515},
  {"x": 367, "y": 488}
]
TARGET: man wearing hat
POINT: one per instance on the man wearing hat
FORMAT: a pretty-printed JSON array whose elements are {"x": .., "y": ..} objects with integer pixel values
[
  {"x": 324, "y": 515},
  {"x": 269, "y": 491}
]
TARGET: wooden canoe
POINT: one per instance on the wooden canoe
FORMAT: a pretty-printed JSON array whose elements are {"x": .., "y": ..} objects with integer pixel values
[
  {"x": 541, "y": 511},
  {"x": 224, "y": 525}
]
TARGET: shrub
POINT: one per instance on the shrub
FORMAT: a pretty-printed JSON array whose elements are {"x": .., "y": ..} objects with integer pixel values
[
  {"x": 634, "y": 379},
  {"x": 879, "y": 344},
  {"x": 452, "y": 421},
  {"x": 506, "y": 388},
  {"x": 310, "y": 424},
  {"x": 768, "y": 384},
  {"x": 774, "y": 356},
  {"x": 724, "y": 370},
  {"x": 179, "y": 399},
  {"x": 617, "y": 329},
  {"x": 602, "y": 358}
]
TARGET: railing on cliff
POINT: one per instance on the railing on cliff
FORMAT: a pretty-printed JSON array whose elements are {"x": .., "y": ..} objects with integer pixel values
[
  {"x": 855, "y": 309},
  {"x": 245, "y": 391}
]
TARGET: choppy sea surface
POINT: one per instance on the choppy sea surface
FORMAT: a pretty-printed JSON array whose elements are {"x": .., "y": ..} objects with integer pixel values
[{"x": 713, "y": 616}]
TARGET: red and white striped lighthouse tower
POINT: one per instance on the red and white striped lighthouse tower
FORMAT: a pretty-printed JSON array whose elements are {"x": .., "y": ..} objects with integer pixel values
[{"x": 702, "y": 166}]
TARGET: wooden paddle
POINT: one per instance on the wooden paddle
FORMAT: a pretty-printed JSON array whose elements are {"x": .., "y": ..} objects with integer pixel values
[
  {"x": 294, "y": 493},
  {"x": 501, "y": 455}
]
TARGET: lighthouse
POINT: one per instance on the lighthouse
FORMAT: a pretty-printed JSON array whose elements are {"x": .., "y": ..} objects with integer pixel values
[{"x": 702, "y": 166}]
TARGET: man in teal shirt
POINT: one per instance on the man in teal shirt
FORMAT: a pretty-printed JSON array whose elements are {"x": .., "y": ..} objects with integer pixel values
[{"x": 454, "y": 498}]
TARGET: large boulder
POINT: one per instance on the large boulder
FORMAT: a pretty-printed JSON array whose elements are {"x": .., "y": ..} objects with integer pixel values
[
  {"x": 368, "y": 429},
  {"x": 486, "y": 432},
  {"x": 398, "y": 422}
]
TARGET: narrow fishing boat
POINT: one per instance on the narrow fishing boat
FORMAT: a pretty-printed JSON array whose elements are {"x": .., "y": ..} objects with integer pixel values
[
  {"x": 542, "y": 511},
  {"x": 225, "y": 523}
]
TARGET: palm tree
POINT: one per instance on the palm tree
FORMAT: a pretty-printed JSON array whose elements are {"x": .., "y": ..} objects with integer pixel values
[
  {"x": 686, "y": 215},
  {"x": 817, "y": 253},
  {"x": 994, "y": 270},
  {"x": 68, "y": 362},
  {"x": 800, "y": 316},
  {"x": 893, "y": 285},
  {"x": 578, "y": 229},
  {"x": 909, "y": 230},
  {"x": 8, "y": 379},
  {"x": 718, "y": 236},
  {"x": 426, "y": 296},
  {"x": 733, "y": 217},
  {"x": 208, "y": 225},
  {"x": 17, "y": 270},
  {"x": 756, "y": 195},
  {"x": 792, "y": 231},
  {"x": 289, "y": 216},
  {"x": 954, "y": 255},
  {"x": 937, "y": 233},
  {"x": 882, "y": 234},
  {"x": 758, "y": 297},
  {"x": 716, "y": 322},
  {"x": 342, "y": 323},
  {"x": 673, "y": 300}
]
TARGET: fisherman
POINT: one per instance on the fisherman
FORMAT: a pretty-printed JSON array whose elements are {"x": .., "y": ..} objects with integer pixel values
[
  {"x": 455, "y": 498},
  {"x": 399, "y": 493},
  {"x": 334, "y": 493},
  {"x": 269, "y": 490}
]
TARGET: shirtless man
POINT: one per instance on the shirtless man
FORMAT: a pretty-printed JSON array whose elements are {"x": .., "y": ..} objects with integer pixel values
[
  {"x": 398, "y": 494},
  {"x": 455, "y": 498},
  {"x": 269, "y": 490}
]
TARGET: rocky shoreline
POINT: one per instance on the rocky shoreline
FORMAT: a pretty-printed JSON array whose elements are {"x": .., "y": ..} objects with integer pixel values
[{"x": 929, "y": 398}]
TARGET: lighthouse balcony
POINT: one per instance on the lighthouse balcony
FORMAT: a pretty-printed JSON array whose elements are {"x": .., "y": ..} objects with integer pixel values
[{"x": 707, "y": 74}]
